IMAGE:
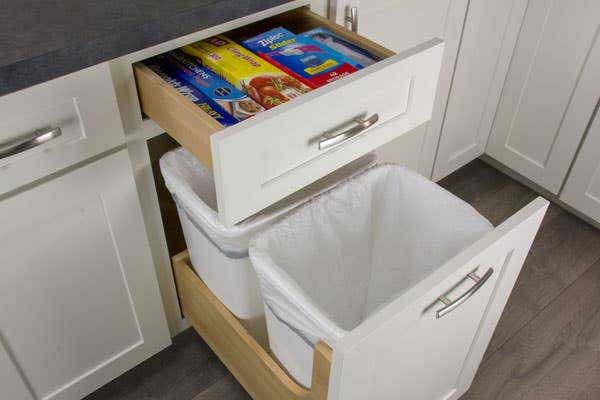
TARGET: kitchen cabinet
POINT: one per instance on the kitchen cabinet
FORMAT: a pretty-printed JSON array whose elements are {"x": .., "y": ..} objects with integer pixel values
[
  {"x": 399, "y": 25},
  {"x": 80, "y": 301},
  {"x": 11, "y": 382},
  {"x": 540, "y": 119},
  {"x": 582, "y": 188},
  {"x": 488, "y": 40}
]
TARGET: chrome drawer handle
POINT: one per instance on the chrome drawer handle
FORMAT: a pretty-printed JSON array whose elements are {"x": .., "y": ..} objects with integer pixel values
[
  {"x": 450, "y": 305},
  {"x": 34, "y": 139},
  {"x": 332, "y": 138},
  {"x": 352, "y": 18}
]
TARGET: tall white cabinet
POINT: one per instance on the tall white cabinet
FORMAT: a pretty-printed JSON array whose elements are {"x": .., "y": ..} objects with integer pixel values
[
  {"x": 582, "y": 189},
  {"x": 488, "y": 39},
  {"x": 80, "y": 301},
  {"x": 546, "y": 102}
]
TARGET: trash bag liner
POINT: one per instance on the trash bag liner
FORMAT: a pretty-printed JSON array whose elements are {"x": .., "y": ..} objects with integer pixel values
[
  {"x": 219, "y": 253},
  {"x": 339, "y": 258}
]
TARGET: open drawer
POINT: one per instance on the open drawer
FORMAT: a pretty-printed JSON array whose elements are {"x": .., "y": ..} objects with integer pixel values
[{"x": 263, "y": 159}]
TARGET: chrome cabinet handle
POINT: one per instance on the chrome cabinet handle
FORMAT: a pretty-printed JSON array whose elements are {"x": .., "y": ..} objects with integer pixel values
[
  {"x": 34, "y": 139},
  {"x": 332, "y": 138},
  {"x": 352, "y": 18},
  {"x": 450, "y": 305}
]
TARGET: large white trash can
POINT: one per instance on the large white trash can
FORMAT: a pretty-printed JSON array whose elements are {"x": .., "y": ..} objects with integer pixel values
[
  {"x": 336, "y": 260},
  {"x": 219, "y": 254}
]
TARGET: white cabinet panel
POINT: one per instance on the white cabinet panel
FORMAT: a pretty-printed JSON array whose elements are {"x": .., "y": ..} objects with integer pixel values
[
  {"x": 80, "y": 301},
  {"x": 11, "y": 384},
  {"x": 489, "y": 36},
  {"x": 530, "y": 134},
  {"x": 582, "y": 189},
  {"x": 402, "y": 24},
  {"x": 406, "y": 351}
]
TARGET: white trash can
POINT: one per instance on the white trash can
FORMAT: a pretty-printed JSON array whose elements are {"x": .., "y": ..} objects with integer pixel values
[
  {"x": 336, "y": 260},
  {"x": 219, "y": 254}
]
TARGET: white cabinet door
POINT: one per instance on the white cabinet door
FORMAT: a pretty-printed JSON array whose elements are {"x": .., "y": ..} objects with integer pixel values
[
  {"x": 399, "y": 25},
  {"x": 582, "y": 190},
  {"x": 533, "y": 133},
  {"x": 488, "y": 40},
  {"x": 11, "y": 384},
  {"x": 80, "y": 301},
  {"x": 428, "y": 343}
]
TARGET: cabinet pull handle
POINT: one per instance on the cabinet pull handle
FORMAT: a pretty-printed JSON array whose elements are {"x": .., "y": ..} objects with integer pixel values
[
  {"x": 352, "y": 18},
  {"x": 450, "y": 305},
  {"x": 332, "y": 138},
  {"x": 34, "y": 139}
]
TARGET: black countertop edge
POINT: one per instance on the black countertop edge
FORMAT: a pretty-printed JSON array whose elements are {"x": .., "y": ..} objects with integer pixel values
[{"x": 42, "y": 68}]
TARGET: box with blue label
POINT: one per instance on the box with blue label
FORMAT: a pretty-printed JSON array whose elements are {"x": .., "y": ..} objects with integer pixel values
[
  {"x": 230, "y": 98},
  {"x": 165, "y": 70},
  {"x": 360, "y": 57},
  {"x": 305, "y": 59}
]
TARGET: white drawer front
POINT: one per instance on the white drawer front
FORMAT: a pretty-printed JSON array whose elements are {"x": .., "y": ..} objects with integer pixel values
[
  {"x": 276, "y": 153},
  {"x": 79, "y": 108}
]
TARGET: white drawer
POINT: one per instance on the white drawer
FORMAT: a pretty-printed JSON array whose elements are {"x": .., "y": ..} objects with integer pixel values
[
  {"x": 266, "y": 158},
  {"x": 79, "y": 109}
]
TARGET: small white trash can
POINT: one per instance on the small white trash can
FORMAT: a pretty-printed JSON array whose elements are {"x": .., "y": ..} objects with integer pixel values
[
  {"x": 219, "y": 254},
  {"x": 338, "y": 259}
]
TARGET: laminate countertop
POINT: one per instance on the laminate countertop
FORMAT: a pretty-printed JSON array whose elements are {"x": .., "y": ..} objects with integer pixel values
[{"x": 44, "y": 39}]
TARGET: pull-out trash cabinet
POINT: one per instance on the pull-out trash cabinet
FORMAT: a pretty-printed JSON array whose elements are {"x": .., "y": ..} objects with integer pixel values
[{"x": 404, "y": 281}]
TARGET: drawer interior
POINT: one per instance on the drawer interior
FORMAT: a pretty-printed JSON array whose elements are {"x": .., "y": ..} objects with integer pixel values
[{"x": 190, "y": 125}]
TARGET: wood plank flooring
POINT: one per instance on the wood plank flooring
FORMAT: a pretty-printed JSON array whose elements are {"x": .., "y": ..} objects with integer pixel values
[{"x": 546, "y": 346}]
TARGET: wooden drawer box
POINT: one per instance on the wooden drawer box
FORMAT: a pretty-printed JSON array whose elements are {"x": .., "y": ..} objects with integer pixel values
[{"x": 270, "y": 156}]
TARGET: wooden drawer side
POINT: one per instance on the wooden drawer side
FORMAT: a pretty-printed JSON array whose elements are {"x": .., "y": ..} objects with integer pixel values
[
  {"x": 181, "y": 118},
  {"x": 252, "y": 366}
]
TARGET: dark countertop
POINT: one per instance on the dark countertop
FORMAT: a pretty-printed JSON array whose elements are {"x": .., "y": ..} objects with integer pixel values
[{"x": 44, "y": 39}]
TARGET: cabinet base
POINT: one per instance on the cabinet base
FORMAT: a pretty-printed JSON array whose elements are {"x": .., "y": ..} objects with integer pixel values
[{"x": 254, "y": 368}]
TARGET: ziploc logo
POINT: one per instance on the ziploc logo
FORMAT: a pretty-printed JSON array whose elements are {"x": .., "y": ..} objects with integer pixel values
[{"x": 269, "y": 40}]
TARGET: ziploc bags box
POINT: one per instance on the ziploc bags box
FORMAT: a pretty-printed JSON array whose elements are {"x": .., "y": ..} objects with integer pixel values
[
  {"x": 163, "y": 69},
  {"x": 231, "y": 99},
  {"x": 265, "y": 83},
  {"x": 307, "y": 60},
  {"x": 360, "y": 57}
]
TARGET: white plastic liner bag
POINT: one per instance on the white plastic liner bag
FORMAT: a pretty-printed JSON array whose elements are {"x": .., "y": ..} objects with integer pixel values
[
  {"x": 219, "y": 254},
  {"x": 339, "y": 258}
]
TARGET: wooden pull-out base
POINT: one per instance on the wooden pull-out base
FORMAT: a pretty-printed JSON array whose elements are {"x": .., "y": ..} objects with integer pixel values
[{"x": 252, "y": 366}]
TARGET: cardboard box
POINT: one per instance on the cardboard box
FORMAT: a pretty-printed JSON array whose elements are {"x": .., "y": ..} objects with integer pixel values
[
  {"x": 163, "y": 69},
  {"x": 266, "y": 84},
  {"x": 359, "y": 57},
  {"x": 305, "y": 59},
  {"x": 231, "y": 99}
]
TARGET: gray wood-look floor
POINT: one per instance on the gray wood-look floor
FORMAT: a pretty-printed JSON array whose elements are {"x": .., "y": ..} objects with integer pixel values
[{"x": 546, "y": 346}]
